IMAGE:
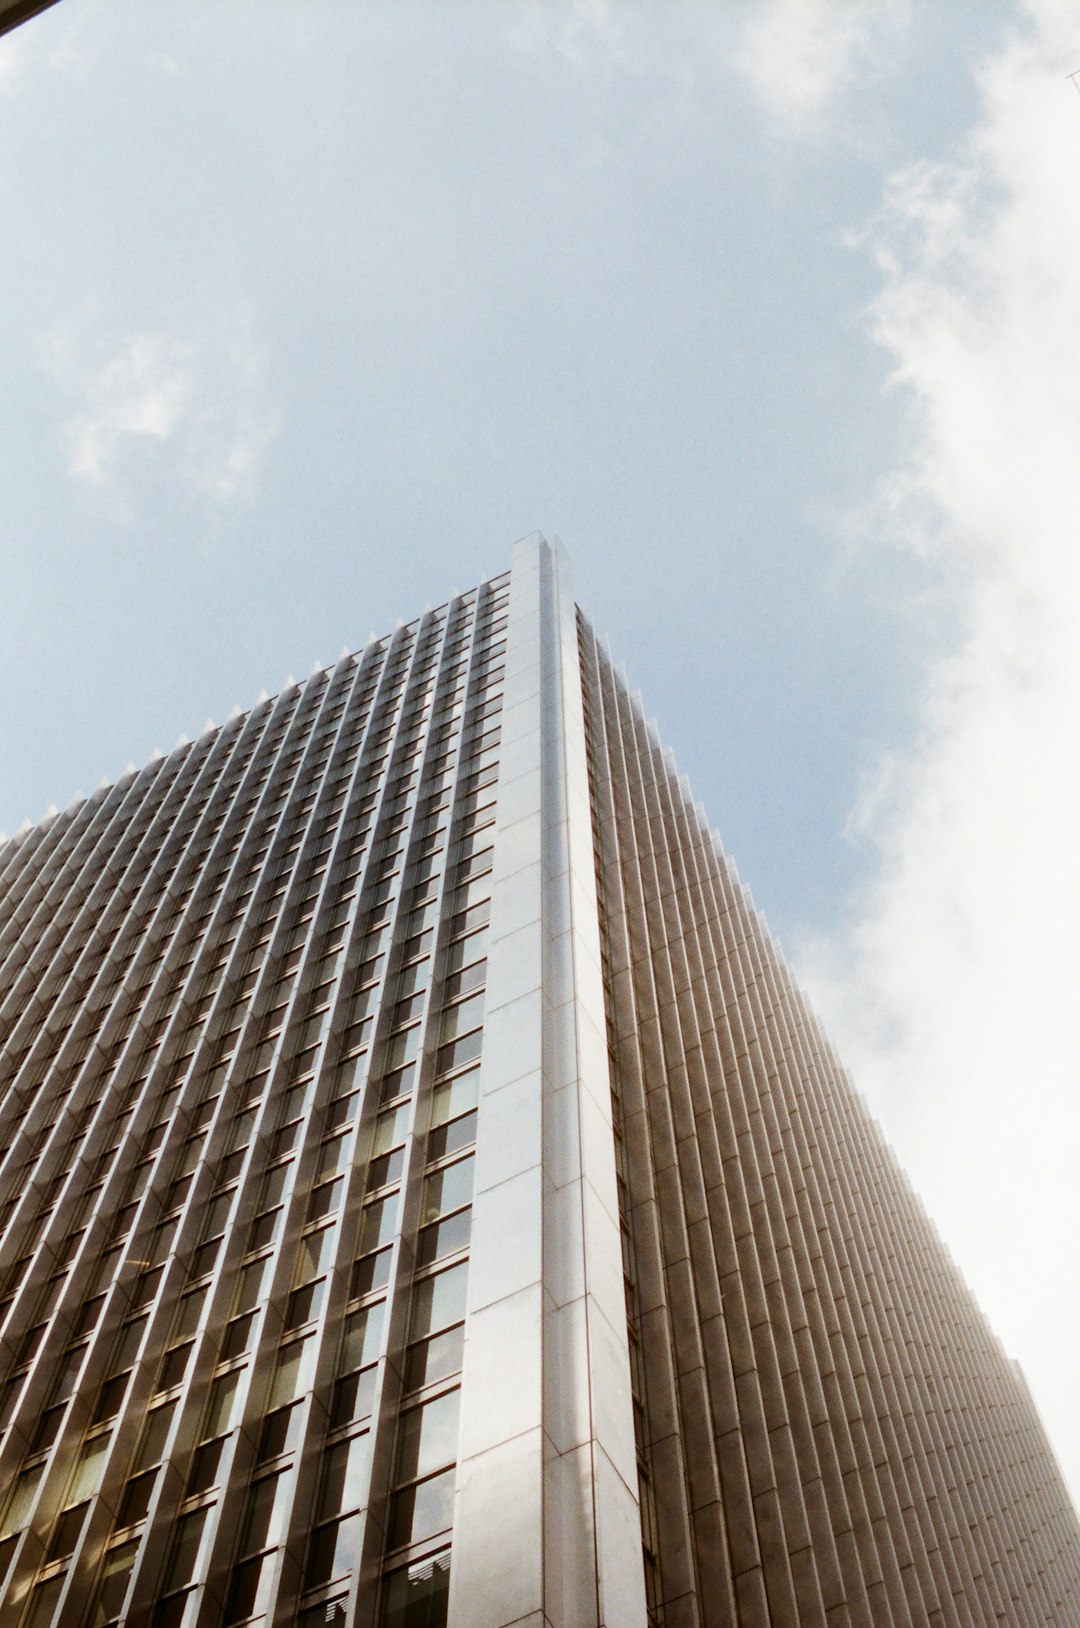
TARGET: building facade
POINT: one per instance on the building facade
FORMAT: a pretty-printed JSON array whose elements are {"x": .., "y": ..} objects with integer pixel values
[{"x": 426, "y": 1202}]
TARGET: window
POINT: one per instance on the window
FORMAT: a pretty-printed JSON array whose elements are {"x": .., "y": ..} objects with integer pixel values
[
  {"x": 112, "y": 1588},
  {"x": 447, "y": 1189},
  {"x": 436, "y": 1328},
  {"x": 345, "y": 1477},
  {"x": 187, "y": 1542},
  {"x": 281, "y": 1431},
  {"x": 292, "y": 1374}
]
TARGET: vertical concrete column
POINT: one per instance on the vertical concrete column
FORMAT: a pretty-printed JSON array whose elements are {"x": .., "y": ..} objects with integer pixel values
[{"x": 547, "y": 1532}]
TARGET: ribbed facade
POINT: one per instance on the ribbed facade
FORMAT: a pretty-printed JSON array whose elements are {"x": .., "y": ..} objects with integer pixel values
[
  {"x": 829, "y": 1432},
  {"x": 425, "y": 1202}
]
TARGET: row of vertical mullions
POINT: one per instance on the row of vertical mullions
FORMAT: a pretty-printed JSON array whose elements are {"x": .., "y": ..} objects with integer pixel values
[
  {"x": 821, "y": 1510},
  {"x": 376, "y": 1558},
  {"x": 197, "y": 985},
  {"x": 100, "y": 873},
  {"x": 50, "y": 850},
  {"x": 678, "y": 1579},
  {"x": 421, "y": 647},
  {"x": 402, "y": 1270},
  {"x": 179, "y": 1111},
  {"x": 896, "y": 1197},
  {"x": 745, "y": 944},
  {"x": 337, "y": 687},
  {"x": 305, "y": 1488},
  {"x": 611, "y": 908},
  {"x": 754, "y": 1217},
  {"x": 68, "y": 920},
  {"x": 79, "y": 833},
  {"x": 764, "y": 1246},
  {"x": 884, "y": 1407},
  {"x": 148, "y": 1106},
  {"x": 83, "y": 1084},
  {"x": 225, "y": 1282},
  {"x": 893, "y": 1402},
  {"x": 87, "y": 1076},
  {"x": 131, "y": 927}
]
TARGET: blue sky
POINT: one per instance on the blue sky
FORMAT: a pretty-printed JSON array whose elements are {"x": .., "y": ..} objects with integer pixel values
[{"x": 765, "y": 309}]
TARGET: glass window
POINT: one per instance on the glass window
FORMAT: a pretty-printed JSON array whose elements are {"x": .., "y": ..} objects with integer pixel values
[
  {"x": 371, "y": 1273},
  {"x": 422, "y": 1510},
  {"x": 428, "y": 1438},
  {"x": 459, "y": 1133},
  {"x": 334, "y": 1550},
  {"x": 217, "y": 1213},
  {"x": 136, "y": 1497},
  {"x": 66, "y": 1532},
  {"x": 391, "y": 1129},
  {"x": 174, "y": 1367},
  {"x": 204, "y": 1466},
  {"x": 448, "y": 1189},
  {"x": 281, "y": 1431},
  {"x": 155, "y": 1435},
  {"x": 237, "y": 1336},
  {"x": 470, "y": 977},
  {"x": 267, "y": 1504},
  {"x": 316, "y": 1254},
  {"x": 326, "y": 1199},
  {"x": 43, "y": 1603},
  {"x": 111, "y": 1590},
  {"x": 219, "y": 1408},
  {"x": 305, "y": 1304},
  {"x": 439, "y": 1301},
  {"x": 466, "y": 951},
  {"x": 202, "y": 1261},
  {"x": 438, "y": 1357},
  {"x": 291, "y": 1373},
  {"x": 362, "y": 1337},
  {"x": 22, "y": 1497},
  {"x": 89, "y": 1469},
  {"x": 333, "y": 1156},
  {"x": 354, "y": 1397},
  {"x": 251, "y": 1283},
  {"x": 190, "y": 1310},
  {"x": 467, "y": 1014},
  {"x": 186, "y": 1545},
  {"x": 398, "y": 1082},
  {"x": 379, "y": 1223},
  {"x": 444, "y": 1238},
  {"x": 386, "y": 1170},
  {"x": 455, "y": 1097},
  {"x": 345, "y": 1478},
  {"x": 249, "y": 1589},
  {"x": 417, "y": 1596},
  {"x": 458, "y": 1052},
  {"x": 403, "y": 1048}
]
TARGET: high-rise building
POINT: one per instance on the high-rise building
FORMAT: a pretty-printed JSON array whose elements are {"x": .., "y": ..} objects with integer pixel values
[{"x": 426, "y": 1200}]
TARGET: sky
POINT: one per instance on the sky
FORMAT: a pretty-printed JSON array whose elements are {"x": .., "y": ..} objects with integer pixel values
[{"x": 768, "y": 310}]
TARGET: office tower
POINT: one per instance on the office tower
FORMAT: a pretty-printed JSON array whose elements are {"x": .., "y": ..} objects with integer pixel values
[{"x": 426, "y": 1200}]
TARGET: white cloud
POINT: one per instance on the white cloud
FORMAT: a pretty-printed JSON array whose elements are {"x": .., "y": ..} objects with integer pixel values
[
  {"x": 184, "y": 397},
  {"x": 953, "y": 992},
  {"x": 798, "y": 55}
]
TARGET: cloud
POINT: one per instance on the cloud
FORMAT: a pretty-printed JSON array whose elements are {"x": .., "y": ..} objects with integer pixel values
[
  {"x": 952, "y": 990},
  {"x": 184, "y": 398},
  {"x": 798, "y": 55}
]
